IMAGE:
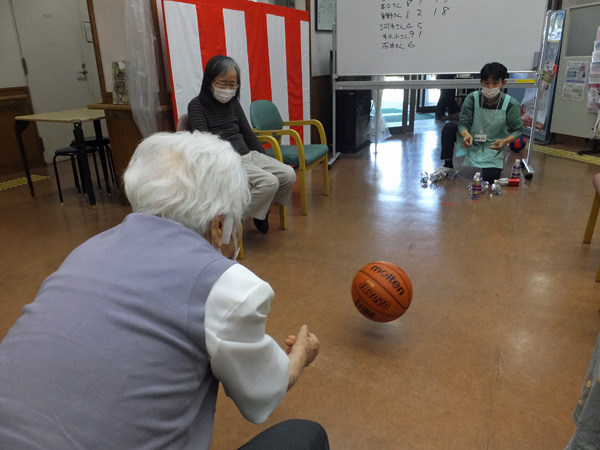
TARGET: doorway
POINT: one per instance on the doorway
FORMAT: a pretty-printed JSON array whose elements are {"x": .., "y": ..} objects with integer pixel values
[
  {"x": 58, "y": 62},
  {"x": 392, "y": 103}
]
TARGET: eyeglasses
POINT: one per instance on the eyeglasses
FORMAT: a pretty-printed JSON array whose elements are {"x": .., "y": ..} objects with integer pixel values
[{"x": 226, "y": 84}]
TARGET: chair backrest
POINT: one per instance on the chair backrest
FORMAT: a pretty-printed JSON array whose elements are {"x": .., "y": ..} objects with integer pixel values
[
  {"x": 264, "y": 115},
  {"x": 182, "y": 123}
]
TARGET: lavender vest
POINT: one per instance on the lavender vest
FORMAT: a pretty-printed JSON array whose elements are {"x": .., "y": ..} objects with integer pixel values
[{"x": 111, "y": 354}]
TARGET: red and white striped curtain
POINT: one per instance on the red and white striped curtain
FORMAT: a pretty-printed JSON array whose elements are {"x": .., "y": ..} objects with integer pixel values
[{"x": 269, "y": 43}]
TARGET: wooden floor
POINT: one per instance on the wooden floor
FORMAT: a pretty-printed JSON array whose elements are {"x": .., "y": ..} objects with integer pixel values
[{"x": 491, "y": 353}]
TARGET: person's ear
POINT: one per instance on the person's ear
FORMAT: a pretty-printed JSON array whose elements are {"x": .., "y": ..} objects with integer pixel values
[
  {"x": 216, "y": 231},
  {"x": 504, "y": 83}
]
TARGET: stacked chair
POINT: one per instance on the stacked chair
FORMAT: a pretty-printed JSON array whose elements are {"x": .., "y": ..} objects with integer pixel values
[{"x": 93, "y": 146}]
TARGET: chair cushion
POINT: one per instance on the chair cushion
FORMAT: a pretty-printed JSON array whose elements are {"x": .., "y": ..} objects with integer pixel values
[
  {"x": 68, "y": 151},
  {"x": 312, "y": 153}
]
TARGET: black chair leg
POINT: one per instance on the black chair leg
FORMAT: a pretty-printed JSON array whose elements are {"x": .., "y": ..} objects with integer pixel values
[
  {"x": 111, "y": 164},
  {"x": 97, "y": 173},
  {"x": 75, "y": 175},
  {"x": 102, "y": 156},
  {"x": 60, "y": 196}
]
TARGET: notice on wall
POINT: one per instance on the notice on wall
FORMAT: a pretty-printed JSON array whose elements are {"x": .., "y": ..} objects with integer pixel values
[
  {"x": 593, "y": 91},
  {"x": 574, "y": 85},
  {"x": 325, "y": 14},
  {"x": 120, "y": 91},
  {"x": 593, "y": 97}
]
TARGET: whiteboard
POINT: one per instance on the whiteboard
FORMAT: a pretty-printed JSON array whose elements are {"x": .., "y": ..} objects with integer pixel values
[{"x": 386, "y": 37}]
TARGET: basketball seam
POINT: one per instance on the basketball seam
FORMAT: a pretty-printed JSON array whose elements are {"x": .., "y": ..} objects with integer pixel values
[
  {"x": 382, "y": 313},
  {"x": 378, "y": 314}
]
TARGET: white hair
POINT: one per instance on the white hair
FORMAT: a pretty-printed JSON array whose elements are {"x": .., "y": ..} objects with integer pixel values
[{"x": 189, "y": 178}]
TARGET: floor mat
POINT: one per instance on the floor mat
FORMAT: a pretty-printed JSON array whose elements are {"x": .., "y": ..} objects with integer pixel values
[
  {"x": 20, "y": 181},
  {"x": 567, "y": 154}
]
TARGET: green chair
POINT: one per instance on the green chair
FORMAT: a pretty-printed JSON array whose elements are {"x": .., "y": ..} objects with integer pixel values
[{"x": 267, "y": 122}]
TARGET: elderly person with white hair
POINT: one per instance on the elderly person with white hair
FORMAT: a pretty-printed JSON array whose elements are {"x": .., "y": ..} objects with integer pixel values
[{"x": 126, "y": 343}]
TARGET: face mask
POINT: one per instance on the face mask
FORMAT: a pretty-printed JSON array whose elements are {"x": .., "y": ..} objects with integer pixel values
[
  {"x": 490, "y": 92},
  {"x": 223, "y": 95}
]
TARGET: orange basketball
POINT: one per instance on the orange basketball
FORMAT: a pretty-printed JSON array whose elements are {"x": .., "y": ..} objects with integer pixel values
[{"x": 381, "y": 291}]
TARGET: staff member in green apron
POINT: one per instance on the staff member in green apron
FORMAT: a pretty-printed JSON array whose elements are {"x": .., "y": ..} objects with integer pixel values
[{"x": 489, "y": 121}]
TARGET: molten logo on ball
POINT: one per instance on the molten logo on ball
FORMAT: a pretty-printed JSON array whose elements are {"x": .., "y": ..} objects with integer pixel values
[
  {"x": 389, "y": 276},
  {"x": 381, "y": 291}
]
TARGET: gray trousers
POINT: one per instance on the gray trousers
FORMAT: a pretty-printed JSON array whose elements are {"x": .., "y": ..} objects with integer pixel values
[
  {"x": 295, "y": 434},
  {"x": 270, "y": 182}
]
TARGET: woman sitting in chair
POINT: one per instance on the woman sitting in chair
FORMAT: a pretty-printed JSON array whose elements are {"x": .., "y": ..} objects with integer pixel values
[{"x": 217, "y": 110}]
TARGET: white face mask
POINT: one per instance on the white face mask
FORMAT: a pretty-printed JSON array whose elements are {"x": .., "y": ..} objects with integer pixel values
[
  {"x": 228, "y": 233},
  {"x": 490, "y": 92},
  {"x": 223, "y": 95}
]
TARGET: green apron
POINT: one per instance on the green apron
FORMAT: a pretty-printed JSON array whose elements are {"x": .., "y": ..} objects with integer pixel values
[{"x": 492, "y": 123}]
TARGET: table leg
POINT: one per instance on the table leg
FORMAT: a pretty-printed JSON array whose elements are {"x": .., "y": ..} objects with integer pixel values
[
  {"x": 102, "y": 154},
  {"x": 82, "y": 161},
  {"x": 19, "y": 127}
]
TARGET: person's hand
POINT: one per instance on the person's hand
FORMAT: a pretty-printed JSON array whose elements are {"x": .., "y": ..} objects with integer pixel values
[
  {"x": 498, "y": 145},
  {"x": 467, "y": 140},
  {"x": 304, "y": 346}
]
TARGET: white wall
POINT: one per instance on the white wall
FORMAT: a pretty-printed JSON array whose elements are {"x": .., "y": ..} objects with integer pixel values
[
  {"x": 110, "y": 24},
  {"x": 52, "y": 39},
  {"x": 321, "y": 45},
  {"x": 53, "y": 42},
  {"x": 11, "y": 74}
]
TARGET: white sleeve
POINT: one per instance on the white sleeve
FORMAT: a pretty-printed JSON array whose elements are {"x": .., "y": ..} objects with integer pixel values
[{"x": 251, "y": 366}]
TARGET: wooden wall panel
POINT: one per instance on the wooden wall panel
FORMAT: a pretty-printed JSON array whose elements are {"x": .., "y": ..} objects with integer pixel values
[
  {"x": 14, "y": 102},
  {"x": 124, "y": 134}
]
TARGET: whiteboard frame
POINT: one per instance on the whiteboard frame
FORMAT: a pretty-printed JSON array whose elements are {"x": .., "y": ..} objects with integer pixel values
[
  {"x": 461, "y": 50},
  {"x": 428, "y": 84}
]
